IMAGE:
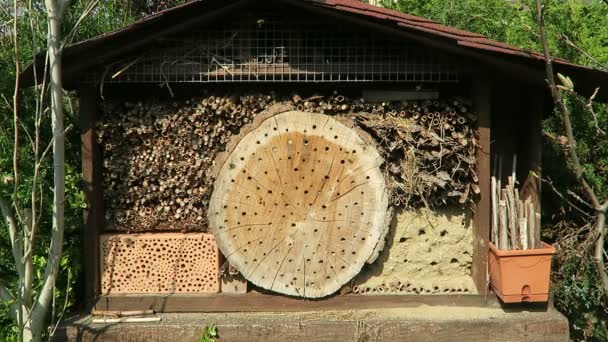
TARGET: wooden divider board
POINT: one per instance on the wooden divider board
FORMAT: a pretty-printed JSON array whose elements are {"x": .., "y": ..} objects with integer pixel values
[{"x": 300, "y": 204}]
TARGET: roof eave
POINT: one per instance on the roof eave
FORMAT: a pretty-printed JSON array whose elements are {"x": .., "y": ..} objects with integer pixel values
[{"x": 502, "y": 60}]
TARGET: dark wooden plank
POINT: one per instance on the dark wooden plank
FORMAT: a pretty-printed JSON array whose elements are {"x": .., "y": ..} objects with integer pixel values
[
  {"x": 409, "y": 324},
  {"x": 258, "y": 302},
  {"x": 531, "y": 144},
  {"x": 481, "y": 96},
  {"x": 91, "y": 176},
  {"x": 507, "y": 125}
]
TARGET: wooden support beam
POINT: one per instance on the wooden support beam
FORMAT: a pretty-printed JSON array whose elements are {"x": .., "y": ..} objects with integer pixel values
[
  {"x": 423, "y": 324},
  {"x": 92, "y": 185},
  {"x": 531, "y": 145},
  {"x": 481, "y": 96},
  {"x": 261, "y": 302}
]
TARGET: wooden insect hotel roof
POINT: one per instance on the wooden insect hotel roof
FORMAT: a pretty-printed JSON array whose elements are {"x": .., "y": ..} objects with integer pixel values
[{"x": 503, "y": 59}]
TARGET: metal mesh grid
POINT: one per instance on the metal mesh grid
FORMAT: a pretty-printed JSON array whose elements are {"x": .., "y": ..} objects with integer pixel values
[{"x": 258, "y": 48}]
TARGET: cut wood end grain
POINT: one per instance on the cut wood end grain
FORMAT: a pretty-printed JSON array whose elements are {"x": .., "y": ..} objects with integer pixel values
[
  {"x": 515, "y": 222},
  {"x": 300, "y": 204}
]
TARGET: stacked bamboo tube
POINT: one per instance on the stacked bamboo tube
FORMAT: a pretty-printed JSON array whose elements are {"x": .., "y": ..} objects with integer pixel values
[
  {"x": 156, "y": 157},
  {"x": 515, "y": 222},
  {"x": 157, "y": 153},
  {"x": 430, "y": 150}
]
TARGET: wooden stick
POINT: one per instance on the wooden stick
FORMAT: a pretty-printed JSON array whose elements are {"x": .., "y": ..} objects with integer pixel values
[
  {"x": 503, "y": 224},
  {"x": 512, "y": 217},
  {"x": 504, "y": 242},
  {"x": 523, "y": 232},
  {"x": 522, "y": 223},
  {"x": 126, "y": 320},
  {"x": 494, "y": 213},
  {"x": 122, "y": 313},
  {"x": 514, "y": 172},
  {"x": 537, "y": 230},
  {"x": 519, "y": 205},
  {"x": 531, "y": 224}
]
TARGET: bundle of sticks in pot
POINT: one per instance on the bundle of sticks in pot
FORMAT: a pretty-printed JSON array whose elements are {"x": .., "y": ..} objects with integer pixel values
[{"x": 515, "y": 220}]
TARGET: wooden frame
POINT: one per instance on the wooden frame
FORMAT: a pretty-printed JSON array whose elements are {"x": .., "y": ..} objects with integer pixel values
[
  {"x": 531, "y": 145},
  {"x": 254, "y": 301},
  {"x": 259, "y": 302},
  {"x": 92, "y": 185},
  {"x": 481, "y": 94},
  {"x": 482, "y": 102}
]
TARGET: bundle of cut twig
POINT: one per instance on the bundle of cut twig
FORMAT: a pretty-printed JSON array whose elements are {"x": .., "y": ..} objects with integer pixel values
[
  {"x": 430, "y": 150},
  {"x": 515, "y": 222}
]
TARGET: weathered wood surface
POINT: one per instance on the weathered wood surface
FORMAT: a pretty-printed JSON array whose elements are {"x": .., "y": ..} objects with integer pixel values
[
  {"x": 91, "y": 176},
  {"x": 410, "y": 324},
  {"x": 481, "y": 94},
  {"x": 299, "y": 204},
  {"x": 259, "y": 302}
]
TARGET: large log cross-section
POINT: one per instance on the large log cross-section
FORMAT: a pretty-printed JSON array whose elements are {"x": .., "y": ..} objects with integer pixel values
[{"x": 300, "y": 204}]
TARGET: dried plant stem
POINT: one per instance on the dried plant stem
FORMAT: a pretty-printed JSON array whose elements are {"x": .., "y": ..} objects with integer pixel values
[
  {"x": 518, "y": 223},
  {"x": 558, "y": 193},
  {"x": 589, "y": 106}
]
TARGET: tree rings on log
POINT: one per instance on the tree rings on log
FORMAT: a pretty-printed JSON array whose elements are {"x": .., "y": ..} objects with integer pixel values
[{"x": 299, "y": 204}]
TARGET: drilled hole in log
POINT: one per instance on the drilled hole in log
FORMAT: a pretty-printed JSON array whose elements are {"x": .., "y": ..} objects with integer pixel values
[{"x": 299, "y": 258}]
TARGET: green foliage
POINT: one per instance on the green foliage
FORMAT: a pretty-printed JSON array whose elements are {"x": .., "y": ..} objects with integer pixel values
[
  {"x": 209, "y": 333},
  {"x": 493, "y": 18},
  {"x": 577, "y": 292}
]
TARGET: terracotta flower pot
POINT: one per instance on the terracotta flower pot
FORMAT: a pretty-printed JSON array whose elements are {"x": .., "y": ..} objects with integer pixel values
[{"x": 521, "y": 275}]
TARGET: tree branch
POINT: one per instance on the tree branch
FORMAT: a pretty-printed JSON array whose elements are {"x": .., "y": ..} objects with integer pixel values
[
  {"x": 91, "y": 6},
  {"x": 569, "y": 42},
  {"x": 578, "y": 198},
  {"x": 16, "y": 244},
  {"x": 16, "y": 106},
  {"x": 7, "y": 297},
  {"x": 589, "y": 106},
  {"x": 598, "y": 255},
  {"x": 5, "y": 294},
  {"x": 558, "y": 193},
  {"x": 572, "y": 154},
  {"x": 55, "y": 10},
  {"x": 557, "y": 99}
]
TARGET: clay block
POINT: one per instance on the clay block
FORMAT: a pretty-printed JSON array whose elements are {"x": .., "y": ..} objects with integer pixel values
[
  {"x": 427, "y": 252},
  {"x": 159, "y": 263},
  {"x": 234, "y": 284}
]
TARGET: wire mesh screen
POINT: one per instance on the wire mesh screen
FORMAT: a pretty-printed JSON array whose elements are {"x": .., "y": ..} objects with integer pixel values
[{"x": 263, "y": 48}]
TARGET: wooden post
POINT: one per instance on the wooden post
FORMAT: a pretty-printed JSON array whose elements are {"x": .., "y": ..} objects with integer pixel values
[
  {"x": 481, "y": 95},
  {"x": 91, "y": 174},
  {"x": 531, "y": 146}
]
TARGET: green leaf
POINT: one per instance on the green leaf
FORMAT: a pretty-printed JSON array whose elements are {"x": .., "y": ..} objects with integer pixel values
[
  {"x": 209, "y": 333},
  {"x": 566, "y": 82}
]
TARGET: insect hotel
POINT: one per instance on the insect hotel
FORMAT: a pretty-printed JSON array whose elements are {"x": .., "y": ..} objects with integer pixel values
[{"x": 256, "y": 156}]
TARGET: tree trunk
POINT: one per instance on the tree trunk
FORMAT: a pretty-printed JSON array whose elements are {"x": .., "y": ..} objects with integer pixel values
[{"x": 41, "y": 308}]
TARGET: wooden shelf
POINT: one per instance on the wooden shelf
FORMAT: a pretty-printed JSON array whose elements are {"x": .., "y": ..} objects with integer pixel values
[{"x": 259, "y": 302}]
